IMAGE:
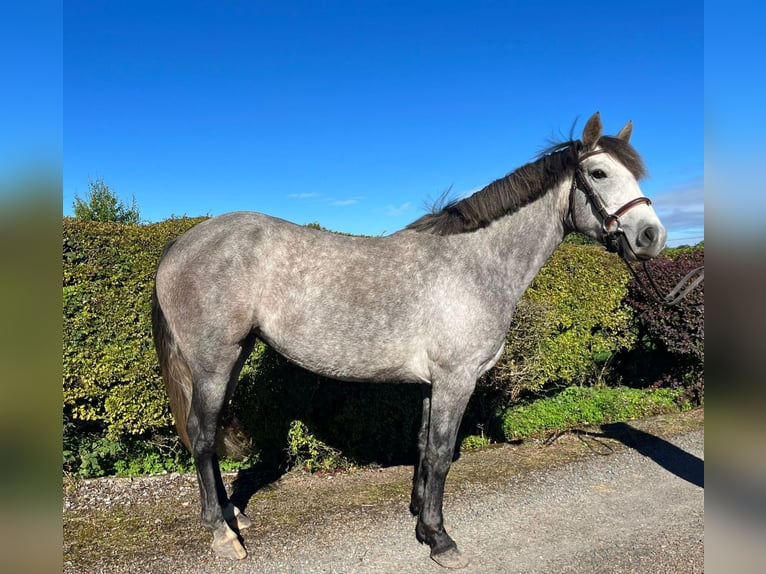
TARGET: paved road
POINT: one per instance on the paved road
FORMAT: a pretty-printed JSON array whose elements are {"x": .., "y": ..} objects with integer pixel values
[{"x": 633, "y": 511}]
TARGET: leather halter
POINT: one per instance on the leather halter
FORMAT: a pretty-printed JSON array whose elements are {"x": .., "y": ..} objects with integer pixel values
[{"x": 610, "y": 236}]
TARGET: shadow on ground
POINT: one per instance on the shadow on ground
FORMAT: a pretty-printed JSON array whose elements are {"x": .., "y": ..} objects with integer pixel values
[{"x": 673, "y": 459}]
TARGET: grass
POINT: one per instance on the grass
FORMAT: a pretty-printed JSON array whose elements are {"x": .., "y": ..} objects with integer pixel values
[{"x": 577, "y": 406}]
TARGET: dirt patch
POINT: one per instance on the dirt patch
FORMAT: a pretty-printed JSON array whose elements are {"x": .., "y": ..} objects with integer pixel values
[{"x": 120, "y": 524}]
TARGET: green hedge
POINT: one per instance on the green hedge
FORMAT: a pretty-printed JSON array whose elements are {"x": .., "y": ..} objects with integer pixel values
[
  {"x": 110, "y": 367},
  {"x": 568, "y": 327},
  {"x": 112, "y": 388}
]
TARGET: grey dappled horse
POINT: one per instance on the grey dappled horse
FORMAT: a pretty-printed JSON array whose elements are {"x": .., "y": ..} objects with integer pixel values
[{"x": 429, "y": 305}]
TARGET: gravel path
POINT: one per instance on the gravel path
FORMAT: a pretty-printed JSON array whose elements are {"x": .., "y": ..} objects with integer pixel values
[{"x": 589, "y": 505}]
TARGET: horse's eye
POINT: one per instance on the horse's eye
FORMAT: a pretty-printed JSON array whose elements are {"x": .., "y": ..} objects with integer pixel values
[{"x": 598, "y": 174}]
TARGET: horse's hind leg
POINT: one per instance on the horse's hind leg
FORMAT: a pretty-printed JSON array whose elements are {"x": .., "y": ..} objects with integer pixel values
[
  {"x": 419, "y": 478},
  {"x": 211, "y": 390}
]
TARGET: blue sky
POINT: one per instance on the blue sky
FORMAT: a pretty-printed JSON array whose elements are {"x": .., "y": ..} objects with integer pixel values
[
  {"x": 31, "y": 107},
  {"x": 355, "y": 114}
]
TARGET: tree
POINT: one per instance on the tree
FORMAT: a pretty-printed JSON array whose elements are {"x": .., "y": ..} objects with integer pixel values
[{"x": 104, "y": 205}]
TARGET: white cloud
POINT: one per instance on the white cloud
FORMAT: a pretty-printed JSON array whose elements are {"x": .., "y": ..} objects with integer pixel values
[
  {"x": 397, "y": 211},
  {"x": 344, "y": 202},
  {"x": 303, "y": 195},
  {"x": 690, "y": 192},
  {"x": 682, "y": 210}
]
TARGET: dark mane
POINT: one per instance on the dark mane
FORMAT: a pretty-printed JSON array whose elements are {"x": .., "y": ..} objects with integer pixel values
[{"x": 520, "y": 187}]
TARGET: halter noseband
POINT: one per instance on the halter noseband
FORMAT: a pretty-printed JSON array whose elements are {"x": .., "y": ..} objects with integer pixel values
[{"x": 611, "y": 237}]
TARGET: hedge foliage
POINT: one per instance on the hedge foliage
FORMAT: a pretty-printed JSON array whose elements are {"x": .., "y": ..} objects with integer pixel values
[
  {"x": 110, "y": 372},
  {"x": 570, "y": 322},
  {"x": 671, "y": 349},
  {"x": 112, "y": 388},
  {"x": 573, "y": 326}
]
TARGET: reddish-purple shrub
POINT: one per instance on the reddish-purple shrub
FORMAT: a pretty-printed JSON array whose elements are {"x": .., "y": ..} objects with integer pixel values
[{"x": 671, "y": 339}]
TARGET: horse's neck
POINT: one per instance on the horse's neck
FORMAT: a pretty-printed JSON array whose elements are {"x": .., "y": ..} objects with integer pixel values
[{"x": 515, "y": 247}]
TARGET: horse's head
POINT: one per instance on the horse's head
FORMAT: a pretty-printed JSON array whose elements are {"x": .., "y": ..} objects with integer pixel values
[{"x": 605, "y": 201}]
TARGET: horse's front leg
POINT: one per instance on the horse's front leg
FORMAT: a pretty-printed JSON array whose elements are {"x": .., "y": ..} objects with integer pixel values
[{"x": 447, "y": 405}]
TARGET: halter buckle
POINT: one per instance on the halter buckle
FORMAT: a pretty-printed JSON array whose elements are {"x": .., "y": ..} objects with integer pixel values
[
  {"x": 612, "y": 240},
  {"x": 609, "y": 220}
]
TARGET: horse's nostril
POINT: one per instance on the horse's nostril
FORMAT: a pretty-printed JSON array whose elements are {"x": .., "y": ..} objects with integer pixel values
[{"x": 647, "y": 236}]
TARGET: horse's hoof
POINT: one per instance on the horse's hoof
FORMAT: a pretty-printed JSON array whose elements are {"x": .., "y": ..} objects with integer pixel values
[
  {"x": 227, "y": 545},
  {"x": 451, "y": 558},
  {"x": 235, "y": 518},
  {"x": 242, "y": 520}
]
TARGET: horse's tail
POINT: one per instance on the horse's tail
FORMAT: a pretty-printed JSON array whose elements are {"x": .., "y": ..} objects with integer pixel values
[{"x": 175, "y": 370}]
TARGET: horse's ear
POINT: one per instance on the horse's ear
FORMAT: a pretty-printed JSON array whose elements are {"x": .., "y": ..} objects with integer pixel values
[
  {"x": 624, "y": 133},
  {"x": 592, "y": 131}
]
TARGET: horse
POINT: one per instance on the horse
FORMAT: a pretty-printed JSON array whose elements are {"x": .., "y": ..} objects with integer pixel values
[{"x": 429, "y": 304}]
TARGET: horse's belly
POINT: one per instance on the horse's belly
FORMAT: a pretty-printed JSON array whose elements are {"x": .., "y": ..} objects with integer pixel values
[{"x": 353, "y": 361}]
